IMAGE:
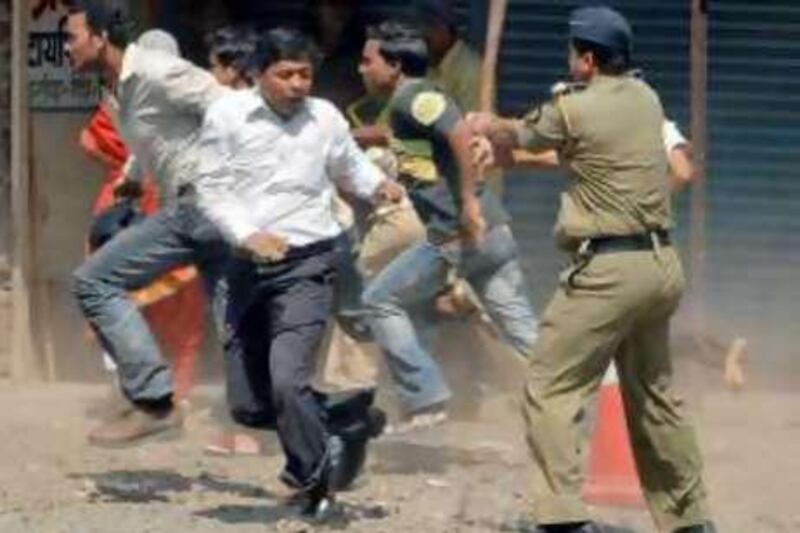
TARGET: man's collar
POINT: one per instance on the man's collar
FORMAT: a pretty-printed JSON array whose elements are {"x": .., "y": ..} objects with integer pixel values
[
  {"x": 126, "y": 71},
  {"x": 259, "y": 104}
]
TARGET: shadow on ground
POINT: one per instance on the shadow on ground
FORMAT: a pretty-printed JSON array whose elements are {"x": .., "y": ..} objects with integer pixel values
[
  {"x": 161, "y": 486},
  {"x": 145, "y": 486},
  {"x": 341, "y": 517}
]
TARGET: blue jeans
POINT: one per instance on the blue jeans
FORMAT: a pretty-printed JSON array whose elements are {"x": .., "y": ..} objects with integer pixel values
[
  {"x": 418, "y": 275},
  {"x": 177, "y": 235}
]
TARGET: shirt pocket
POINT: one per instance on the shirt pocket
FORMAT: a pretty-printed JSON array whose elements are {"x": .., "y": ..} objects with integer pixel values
[{"x": 256, "y": 159}]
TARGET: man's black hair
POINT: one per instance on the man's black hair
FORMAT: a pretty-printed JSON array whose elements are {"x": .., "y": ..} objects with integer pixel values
[
  {"x": 403, "y": 44},
  {"x": 102, "y": 19},
  {"x": 233, "y": 46},
  {"x": 281, "y": 44},
  {"x": 608, "y": 61}
]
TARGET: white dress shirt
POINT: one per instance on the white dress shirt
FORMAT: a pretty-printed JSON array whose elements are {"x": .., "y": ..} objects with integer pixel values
[
  {"x": 673, "y": 138},
  {"x": 259, "y": 171},
  {"x": 159, "y": 104}
]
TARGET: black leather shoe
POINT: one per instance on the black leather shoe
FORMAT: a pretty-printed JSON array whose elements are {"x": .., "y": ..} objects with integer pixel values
[
  {"x": 317, "y": 501},
  {"x": 318, "y": 509}
]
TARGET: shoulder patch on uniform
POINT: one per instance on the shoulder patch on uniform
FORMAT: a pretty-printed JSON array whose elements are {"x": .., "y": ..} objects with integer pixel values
[
  {"x": 563, "y": 88},
  {"x": 428, "y": 106},
  {"x": 533, "y": 116}
]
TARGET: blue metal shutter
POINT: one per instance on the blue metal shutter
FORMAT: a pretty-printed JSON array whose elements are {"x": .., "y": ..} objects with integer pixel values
[
  {"x": 753, "y": 281},
  {"x": 291, "y": 12}
]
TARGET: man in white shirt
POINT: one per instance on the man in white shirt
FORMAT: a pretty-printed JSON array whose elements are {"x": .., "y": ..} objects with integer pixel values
[
  {"x": 679, "y": 156},
  {"x": 161, "y": 100},
  {"x": 271, "y": 160}
]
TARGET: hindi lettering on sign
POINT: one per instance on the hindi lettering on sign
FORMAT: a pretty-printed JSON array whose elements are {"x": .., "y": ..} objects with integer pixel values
[
  {"x": 46, "y": 48},
  {"x": 53, "y": 85}
]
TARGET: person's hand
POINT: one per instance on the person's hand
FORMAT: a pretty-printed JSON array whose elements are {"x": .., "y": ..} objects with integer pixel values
[
  {"x": 367, "y": 136},
  {"x": 473, "y": 225},
  {"x": 482, "y": 153},
  {"x": 266, "y": 246},
  {"x": 388, "y": 192},
  {"x": 480, "y": 123}
]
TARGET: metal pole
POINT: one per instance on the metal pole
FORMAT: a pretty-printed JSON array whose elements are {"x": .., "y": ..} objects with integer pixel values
[
  {"x": 24, "y": 363},
  {"x": 494, "y": 34},
  {"x": 699, "y": 136}
]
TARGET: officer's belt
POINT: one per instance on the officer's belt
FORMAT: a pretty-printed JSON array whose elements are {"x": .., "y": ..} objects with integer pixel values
[
  {"x": 628, "y": 243},
  {"x": 605, "y": 244}
]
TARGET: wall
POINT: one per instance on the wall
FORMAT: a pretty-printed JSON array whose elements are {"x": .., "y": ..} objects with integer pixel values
[
  {"x": 66, "y": 182},
  {"x": 754, "y": 174},
  {"x": 5, "y": 182},
  {"x": 5, "y": 120}
]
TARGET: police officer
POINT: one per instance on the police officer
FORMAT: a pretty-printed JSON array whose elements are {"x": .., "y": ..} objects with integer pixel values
[{"x": 614, "y": 304}]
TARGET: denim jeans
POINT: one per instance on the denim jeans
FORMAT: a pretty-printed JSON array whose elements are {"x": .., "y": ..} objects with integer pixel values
[
  {"x": 177, "y": 235},
  {"x": 416, "y": 276}
]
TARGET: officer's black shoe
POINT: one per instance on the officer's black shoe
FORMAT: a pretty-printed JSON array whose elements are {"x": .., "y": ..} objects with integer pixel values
[{"x": 706, "y": 527}]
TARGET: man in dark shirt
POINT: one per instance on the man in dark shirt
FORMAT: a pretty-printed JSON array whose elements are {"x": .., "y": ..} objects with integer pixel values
[{"x": 467, "y": 226}]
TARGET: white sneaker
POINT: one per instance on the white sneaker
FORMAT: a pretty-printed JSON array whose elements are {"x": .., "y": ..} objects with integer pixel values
[{"x": 417, "y": 422}]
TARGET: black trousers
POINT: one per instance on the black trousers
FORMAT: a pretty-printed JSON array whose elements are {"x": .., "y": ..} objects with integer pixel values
[{"x": 276, "y": 318}]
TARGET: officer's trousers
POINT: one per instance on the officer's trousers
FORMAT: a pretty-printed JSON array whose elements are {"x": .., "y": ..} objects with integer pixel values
[{"x": 616, "y": 309}]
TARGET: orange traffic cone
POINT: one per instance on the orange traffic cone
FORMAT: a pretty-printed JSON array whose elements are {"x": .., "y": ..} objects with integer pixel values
[{"x": 612, "y": 478}]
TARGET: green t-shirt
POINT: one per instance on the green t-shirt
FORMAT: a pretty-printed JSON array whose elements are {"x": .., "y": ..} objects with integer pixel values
[{"x": 420, "y": 112}]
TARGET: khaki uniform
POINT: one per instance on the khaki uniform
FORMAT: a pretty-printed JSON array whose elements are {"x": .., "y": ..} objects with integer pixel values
[{"x": 611, "y": 306}]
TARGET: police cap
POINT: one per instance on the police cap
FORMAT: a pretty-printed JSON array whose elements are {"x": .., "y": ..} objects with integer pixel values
[{"x": 603, "y": 26}]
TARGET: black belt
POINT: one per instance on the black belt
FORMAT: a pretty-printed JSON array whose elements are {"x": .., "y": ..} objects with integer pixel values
[
  {"x": 628, "y": 243},
  {"x": 319, "y": 247},
  {"x": 294, "y": 253},
  {"x": 604, "y": 244}
]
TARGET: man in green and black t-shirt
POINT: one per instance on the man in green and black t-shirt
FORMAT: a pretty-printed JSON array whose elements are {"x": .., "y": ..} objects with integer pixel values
[{"x": 467, "y": 226}]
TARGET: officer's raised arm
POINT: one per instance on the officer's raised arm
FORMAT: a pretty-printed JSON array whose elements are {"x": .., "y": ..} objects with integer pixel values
[{"x": 502, "y": 142}]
